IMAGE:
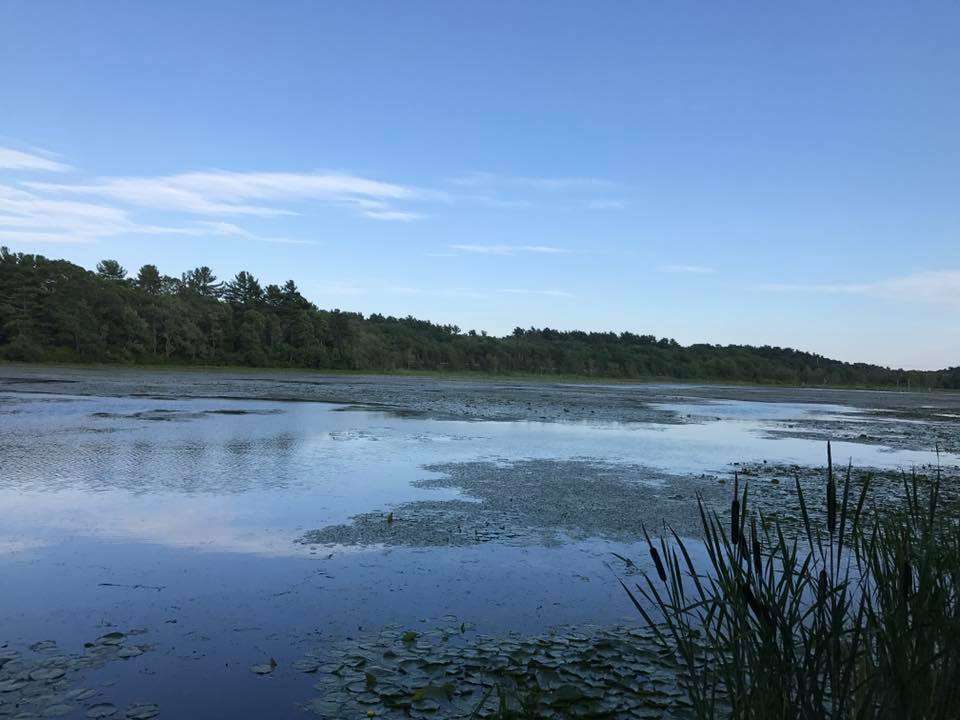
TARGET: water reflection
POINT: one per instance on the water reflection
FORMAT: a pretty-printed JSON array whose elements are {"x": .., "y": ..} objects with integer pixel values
[{"x": 249, "y": 476}]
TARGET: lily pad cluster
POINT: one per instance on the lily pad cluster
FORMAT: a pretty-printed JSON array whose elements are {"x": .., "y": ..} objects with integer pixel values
[
  {"x": 579, "y": 673},
  {"x": 540, "y": 502},
  {"x": 44, "y": 682}
]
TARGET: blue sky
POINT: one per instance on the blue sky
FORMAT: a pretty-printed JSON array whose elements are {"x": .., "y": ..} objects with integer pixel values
[{"x": 784, "y": 174}]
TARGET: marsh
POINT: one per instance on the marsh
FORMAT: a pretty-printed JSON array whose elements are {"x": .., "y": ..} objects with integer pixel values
[{"x": 226, "y": 518}]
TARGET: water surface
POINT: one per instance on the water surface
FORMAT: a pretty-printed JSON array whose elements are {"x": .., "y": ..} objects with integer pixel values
[{"x": 180, "y": 516}]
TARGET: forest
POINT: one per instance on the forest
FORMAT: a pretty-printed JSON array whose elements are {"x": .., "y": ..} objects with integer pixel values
[{"x": 57, "y": 311}]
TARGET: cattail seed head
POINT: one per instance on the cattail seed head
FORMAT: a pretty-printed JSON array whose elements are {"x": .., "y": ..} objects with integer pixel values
[
  {"x": 659, "y": 563},
  {"x": 758, "y": 607}
]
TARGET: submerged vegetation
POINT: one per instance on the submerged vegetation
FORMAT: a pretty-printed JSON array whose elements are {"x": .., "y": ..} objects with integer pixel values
[
  {"x": 859, "y": 618},
  {"x": 54, "y": 310}
]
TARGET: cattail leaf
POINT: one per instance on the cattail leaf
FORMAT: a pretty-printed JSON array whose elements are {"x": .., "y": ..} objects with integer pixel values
[{"x": 757, "y": 557}]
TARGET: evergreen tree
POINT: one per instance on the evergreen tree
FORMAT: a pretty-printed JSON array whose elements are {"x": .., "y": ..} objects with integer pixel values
[
  {"x": 111, "y": 270},
  {"x": 149, "y": 280}
]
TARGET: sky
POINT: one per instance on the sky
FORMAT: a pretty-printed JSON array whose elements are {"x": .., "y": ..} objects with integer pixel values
[{"x": 750, "y": 173}]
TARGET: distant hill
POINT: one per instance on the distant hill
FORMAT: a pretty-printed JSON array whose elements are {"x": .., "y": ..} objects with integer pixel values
[{"x": 54, "y": 310}]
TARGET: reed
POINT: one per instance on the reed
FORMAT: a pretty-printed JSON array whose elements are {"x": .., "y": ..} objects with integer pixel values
[{"x": 859, "y": 621}]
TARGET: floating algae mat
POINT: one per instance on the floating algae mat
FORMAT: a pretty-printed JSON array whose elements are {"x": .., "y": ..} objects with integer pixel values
[
  {"x": 450, "y": 672},
  {"x": 44, "y": 682}
]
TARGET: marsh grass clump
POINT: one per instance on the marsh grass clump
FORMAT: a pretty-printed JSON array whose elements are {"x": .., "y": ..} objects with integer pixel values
[{"x": 858, "y": 617}]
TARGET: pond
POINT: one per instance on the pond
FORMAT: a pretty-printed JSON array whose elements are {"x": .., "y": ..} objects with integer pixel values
[{"x": 222, "y": 530}]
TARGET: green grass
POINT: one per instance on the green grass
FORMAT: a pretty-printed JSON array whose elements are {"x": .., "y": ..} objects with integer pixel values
[{"x": 858, "y": 618}]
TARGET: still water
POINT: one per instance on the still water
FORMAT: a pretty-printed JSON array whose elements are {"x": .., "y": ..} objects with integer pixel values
[{"x": 179, "y": 517}]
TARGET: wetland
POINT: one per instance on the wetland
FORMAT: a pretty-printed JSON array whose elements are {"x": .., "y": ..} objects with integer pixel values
[{"x": 227, "y": 544}]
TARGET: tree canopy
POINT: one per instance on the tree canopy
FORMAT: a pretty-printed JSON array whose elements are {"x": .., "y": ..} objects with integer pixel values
[{"x": 54, "y": 310}]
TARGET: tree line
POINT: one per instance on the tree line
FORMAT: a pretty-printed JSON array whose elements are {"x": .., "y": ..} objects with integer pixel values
[{"x": 56, "y": 311}]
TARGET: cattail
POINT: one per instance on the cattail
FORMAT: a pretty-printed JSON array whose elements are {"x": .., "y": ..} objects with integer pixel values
[
  {"x": 655, "y": 555},
  {"x": 757, "y": 558},
  {"x": 906, "y": 580},
  {"x": 759, "y": 609},
  {"x": 659, "y": 563},
  {"x": 822, "y": 584},
  {"x": 735, "y": 512},
  {"x": 675, "y": 568}
]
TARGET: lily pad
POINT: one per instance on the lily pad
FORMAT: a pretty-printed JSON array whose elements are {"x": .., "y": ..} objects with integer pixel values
[
  {"x": 306, "y": 666},
  {"x": 325, "y": 709},
  {"x": 112, "y": 638},
  {"x": 101, "y": 710},
  {"x": 143, "y": 712},
  {"x": 47, "y": 674},
  {"x": 82, "y": 694},
  {"x": 58, "y": 710}
]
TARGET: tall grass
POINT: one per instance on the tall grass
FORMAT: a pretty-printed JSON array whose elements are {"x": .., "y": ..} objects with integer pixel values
[{"x": 856, "y": 618}]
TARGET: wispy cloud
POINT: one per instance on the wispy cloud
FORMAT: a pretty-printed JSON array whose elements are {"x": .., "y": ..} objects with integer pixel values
[
  {"x": 90, "y": 210},
  {"x": 207, "y": 227},
  {"x": 550, "y": 184},
  {"x": 27, "y": 217},
  {"x": 241, "y": 193},
  {"x": 11, "y": 159},
  {"x": 690, "y": 269},
  {"x": 507, "y": 249},
  {"x": 937, "y": 286},
  {"x": 198, "y": 203}
]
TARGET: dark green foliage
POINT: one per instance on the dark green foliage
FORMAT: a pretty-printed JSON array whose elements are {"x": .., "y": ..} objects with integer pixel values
[
  {"x": 111, "y": 270},
  {"x": 860, "y": 621},
  {"x": 54, "y": 310}
]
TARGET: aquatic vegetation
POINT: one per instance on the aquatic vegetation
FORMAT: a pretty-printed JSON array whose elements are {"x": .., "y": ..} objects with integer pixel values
[
  {"x": 46, "y": 682},
  {"x": 451, "y": 672},
  {"x": 774, "y": 488},
  {"x": 860, "y": 618},
  {"x": 526, "y": 502}
]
